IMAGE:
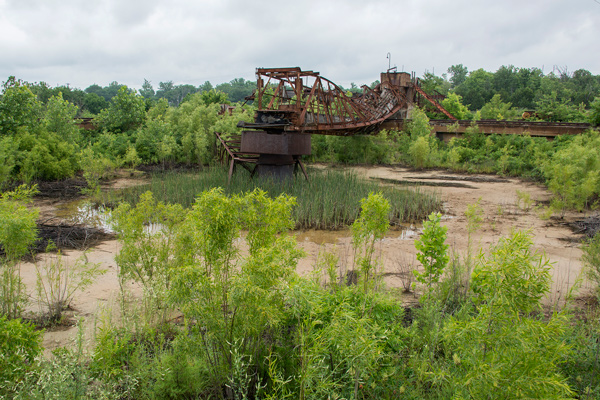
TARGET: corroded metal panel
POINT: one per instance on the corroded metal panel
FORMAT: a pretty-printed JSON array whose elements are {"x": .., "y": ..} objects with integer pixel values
[{"x": 261, "y": 142}]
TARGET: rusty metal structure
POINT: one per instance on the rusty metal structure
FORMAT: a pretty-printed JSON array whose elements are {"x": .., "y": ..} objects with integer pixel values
[
  {"x": 296, "y": 101},
  {"x": 294, "y": 104}
]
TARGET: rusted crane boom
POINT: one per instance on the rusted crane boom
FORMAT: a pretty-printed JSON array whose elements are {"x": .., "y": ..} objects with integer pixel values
[{"x": 292, "y": 100}]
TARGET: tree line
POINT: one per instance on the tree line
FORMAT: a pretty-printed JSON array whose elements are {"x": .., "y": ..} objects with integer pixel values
[{"x": 558, "y": 96}]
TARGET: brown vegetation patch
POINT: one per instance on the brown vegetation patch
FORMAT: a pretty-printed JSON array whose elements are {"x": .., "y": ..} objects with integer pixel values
[
  {"x": 588, "y": 226},
  {"x": 424, "y": 183},
  {"x": 65, "y": 190},
  {"x": 65, "y": 236}
]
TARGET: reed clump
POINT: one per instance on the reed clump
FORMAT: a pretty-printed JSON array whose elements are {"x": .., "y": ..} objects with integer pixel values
[{"x": 329, "y": 200}]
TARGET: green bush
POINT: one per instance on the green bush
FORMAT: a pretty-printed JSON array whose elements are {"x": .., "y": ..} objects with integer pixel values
[
  {"x": 419, "y": 152},
  {"x": 18, "y": 231},
  {"x": 432, "y": 251},
  {"x": 238, "y": 300},
  {"x": 573, "y": 173},
  {"x": 591, "y": 261},
  {"x": 149, "y": 252},
  {"x": 126, "y": 112},
  {"x": 504, "y": 350},
  {"x": 20, "y": 344},
  {"x": 594, "y": 117}
]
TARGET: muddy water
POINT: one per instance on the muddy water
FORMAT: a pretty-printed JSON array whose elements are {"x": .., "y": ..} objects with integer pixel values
[
  {"x": 334, "y": 237},
  {"x": 84, "y": 212}
]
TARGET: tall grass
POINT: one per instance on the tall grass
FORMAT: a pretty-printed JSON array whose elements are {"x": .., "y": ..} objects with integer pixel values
[{"x": 329, "y": 200}]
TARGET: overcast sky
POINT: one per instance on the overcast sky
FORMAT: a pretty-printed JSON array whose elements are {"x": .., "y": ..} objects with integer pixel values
[{"x": 82, "y": 42}]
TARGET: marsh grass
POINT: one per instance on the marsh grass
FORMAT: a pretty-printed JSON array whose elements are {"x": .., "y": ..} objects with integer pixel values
[{"x": 329, "y": 200}]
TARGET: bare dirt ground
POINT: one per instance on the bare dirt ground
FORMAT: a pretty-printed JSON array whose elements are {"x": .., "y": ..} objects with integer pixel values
[{"x": 502, "y": 212}]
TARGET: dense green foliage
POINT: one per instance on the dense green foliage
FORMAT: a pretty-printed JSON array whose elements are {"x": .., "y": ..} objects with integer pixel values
[
  {"x": 557, "y": 96},
  {"x": 36, "y": 141},
  {"x": 252, "y": 328},
  {"x": 20, "y": 344}
]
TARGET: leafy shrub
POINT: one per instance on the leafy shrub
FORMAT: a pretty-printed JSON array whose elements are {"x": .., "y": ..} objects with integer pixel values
[
  {"x": 126, "y": 112},
  {"x": 59, "y": 118},
  {"x": 237, "y": 300},
  {"x": 591, "y": 260},
  {"x": 148, "y": 254},
  {"x": 20, "y": 344},
  {"x": 504, "y": 350},
  {"x": 45, "y": 155},
  {"x": 17, "y": 232},
  {"x": 572, "y": 174},
  {"x": 432, "y": 251},
  {"x": 419, "y": 152},
  {"x": 370, "y": 226}
]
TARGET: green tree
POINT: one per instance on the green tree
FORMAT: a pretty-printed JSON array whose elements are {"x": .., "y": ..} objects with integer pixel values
[
  {"x": 108, "y": 92},
  {"x": 497, "y": 109},
  {"x": 419, "y": 124},
  {"x": 458, "y": 74},
  {"x": 453, "y": 104},
  {"x": 94, "y": 103},
  {"x": 477, "y": 89},
  {"x": 594, "y": 116},
  {"x": 126, "y": 112},
  {"x": 239, "y": 300},
  {"x": 147, "y": 91},
  {"x": 432, "y": 251},
  {"x": 552, "y": 108},
  {"x": 370, "y": 227},
  {"x": 419, "y": 152},
  {"x": 214, "y": 96},
  {"x": 432, "y": 83},
  {"x": 585, "y": 87},
  {"x": 497, "y": 352},
  {"x": 237, "y": 89},
  {"x": 19, "y": 107},
  {"x": 205, "y": 87},
  {"x": 60, "y": 118}
]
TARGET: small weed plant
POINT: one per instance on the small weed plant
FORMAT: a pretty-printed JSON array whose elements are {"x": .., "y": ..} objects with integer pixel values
[
  {"x": 591, "y": 261},
  {"x": 370, "y": 227},
  {"x": 432, "y": 251},
  {"x": 58, "y": 281}
]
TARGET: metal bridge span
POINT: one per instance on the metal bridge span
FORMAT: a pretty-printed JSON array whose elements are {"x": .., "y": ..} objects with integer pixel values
[{"x": 446, "y": 129}]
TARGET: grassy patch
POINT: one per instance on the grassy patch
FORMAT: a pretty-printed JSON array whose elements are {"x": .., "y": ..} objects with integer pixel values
[{"x": 330, "y": 200}]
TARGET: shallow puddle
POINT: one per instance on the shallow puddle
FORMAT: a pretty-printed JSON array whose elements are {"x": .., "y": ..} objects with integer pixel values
[
  {"x": 332, "y": 237},
  {"x": 84, "y": 212}
]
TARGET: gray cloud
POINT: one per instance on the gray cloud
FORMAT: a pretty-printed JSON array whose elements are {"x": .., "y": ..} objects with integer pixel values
[{"x": 84, "y": 42}]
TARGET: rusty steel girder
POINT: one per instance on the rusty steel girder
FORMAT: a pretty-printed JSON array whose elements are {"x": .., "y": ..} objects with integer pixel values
[{"x": 296, "y": 101}]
